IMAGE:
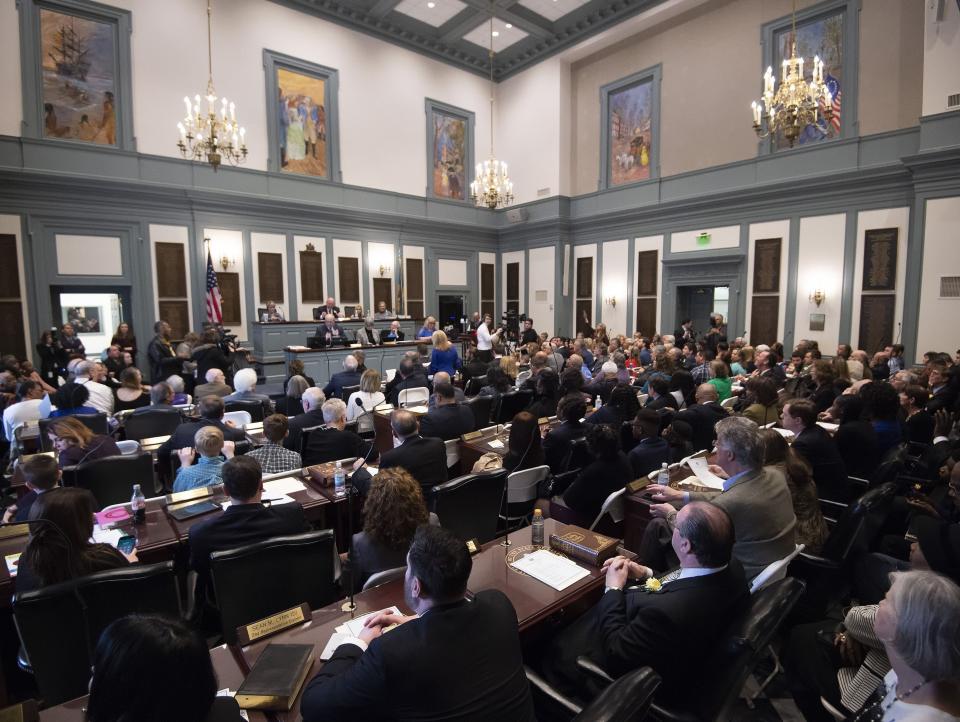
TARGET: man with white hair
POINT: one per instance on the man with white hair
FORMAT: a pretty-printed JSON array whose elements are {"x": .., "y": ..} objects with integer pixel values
[
  {"x": 245, "y": 383},
  {"x": 350, "y": 376},
  {"x": 330, "y": 332},
  {"x": 216, "y": 385},
  {"x": 312, "y": 416},
  {"x": 604, "y": 382},
  {"x": 333, "y": 441},
  {"x": 101, "y": 397}
]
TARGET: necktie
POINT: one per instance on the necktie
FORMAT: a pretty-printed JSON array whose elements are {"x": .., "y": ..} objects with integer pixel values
[{"x": 671, "y": 576}]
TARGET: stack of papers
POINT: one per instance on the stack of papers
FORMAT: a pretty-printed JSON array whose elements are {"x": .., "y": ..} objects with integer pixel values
[
  {"x": 704, "y": 475},
  {"x": 351, "y": 629},
  {"x": 288, "y": 485},
  {"x": 551, "y": 569},
  {"x": 418, "y": 409},
  {"x": 832, "y": 428},
  {"x": 106, "y": 536},
  {"x": 785, "y": 433}
]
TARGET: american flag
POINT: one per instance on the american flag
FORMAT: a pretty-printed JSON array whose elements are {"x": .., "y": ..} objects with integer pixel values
[
  {"x": 214, "y": 308},
  {"x": 833, "y": 85}
]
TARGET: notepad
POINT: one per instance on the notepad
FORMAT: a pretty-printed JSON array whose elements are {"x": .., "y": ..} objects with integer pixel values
[
  {"x": 551, "y": 569},
  {"x": 106, "y": 536},
  {"x": 785, "y": 433},
  {"x": 706, "y": 477},
  {"x": 495, "y": 444},
  {"x": 355, "y": 626},
  {"x": 418, "y": 409},
  {"x": 288, "y": 485}
]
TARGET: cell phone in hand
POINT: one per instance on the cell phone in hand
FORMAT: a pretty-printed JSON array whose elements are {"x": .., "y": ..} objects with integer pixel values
[{"x": 126, "y": 544}]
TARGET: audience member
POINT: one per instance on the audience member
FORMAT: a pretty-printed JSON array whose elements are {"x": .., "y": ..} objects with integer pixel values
[
  {"x": 448, "y": 420},
  {"x": 604, "y": 383},
  {"x": 26, "y": 407},
  {"x": 659, "y": 396},
  {"x": 621, "y": 407},
  {"x": 350, "y": 376},
  {"x": 720, "y": 379},
  {"x": 918, "y": 425},
  {"x": 652, "y": 449},
  {"x": 423, "y": 457},
  {"x": 761, "y": 401},
  {"x": 245, "y": 383},
  {"x": 131, "y": 394},
  {"x": 386, "y": 675},
  {"x": 557, "y": 444},
  {"x": 180, "y": 396},
  {"x": 609, "y": 471},
  {"x": 211, "y": 414},
  {"x": 296, "y": 368},
  {"x": 312, "y": 416},
  {"x": 817, "y": 448},
  {"x": 272, "y": 456},
  {"x": 71, "y": 343},
  {"x": 292, "y": 402},
  {"x": 444, "y": 356},
  {"x": 90, "y": 374},
  {"x": 40, "y": 474},
  {"x": 209, "y": 354},
  {"x": 703, "y": 416},
  {"x": 524, "y": 446},
  {"x": 498, "y": 383},
  {"x": 546, "y": 394},
  {"x": 410, "y": 375},
  {"x": 881, "y": 407},
  {"x": 216, "y": 385},
  {"x": 333, "y": 441},
  {"x": 74, "y": 443},
  {"x": 811, "y": 529},
  {"x": 159, "y": 350},
  {"x": 208, "y": 444}
]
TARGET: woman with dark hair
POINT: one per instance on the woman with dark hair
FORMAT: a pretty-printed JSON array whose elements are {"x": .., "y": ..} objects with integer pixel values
[
  {"x": 393, "y": 510},
  {"x": 822, "y": 375},
  {"x": 662, "y": 366},
  {"x": 856, "y": 438},
  {"x": 919, "y": 422},
  {"x": 682, "y": 381},
  {"x": 297, "y": 369},
  {"x": 546, "y": 394},
  {"x": 75, "y": 443},
  {"x": 130, "y": 393},
  {"x": 53, "y": 359},
  {"x": 571, "y": 382},
  {"x": 59, "y": 548},
  {"x": 762, "y": 406},
  {"x": 497, "y": 383},
  {"x": 154, "y": 669},
  {"x": 610, "y": 471},
  {"x": 679, "y": 435},
  {"x": 125, "y": 339},
  {"x": 881, "y": 404},
  {"x": 811, "y": 528},
  {"x": 70, "y": 399},
  {"x": 622, "y": 407},
  {"x": 524, "y": 448}
]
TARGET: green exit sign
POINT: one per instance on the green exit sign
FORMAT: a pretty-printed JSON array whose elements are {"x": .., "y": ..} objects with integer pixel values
[{"x": 703, "y": 239}]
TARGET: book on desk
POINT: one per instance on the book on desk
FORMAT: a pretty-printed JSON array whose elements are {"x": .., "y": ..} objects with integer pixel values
[{"x": 277, "y": 677}]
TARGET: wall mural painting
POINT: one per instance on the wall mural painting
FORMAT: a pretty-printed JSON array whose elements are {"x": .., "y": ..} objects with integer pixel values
[
  {"x": 302, "y": 123},
  {"x": 79, "y": 86},
  {"x": 630, "y": 119},
  {"x": 449, "y": 154},
  {"x": 820, "y": 37}
]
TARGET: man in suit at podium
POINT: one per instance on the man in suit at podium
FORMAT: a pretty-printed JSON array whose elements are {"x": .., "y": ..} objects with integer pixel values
[{"x": 454, "y": 659}]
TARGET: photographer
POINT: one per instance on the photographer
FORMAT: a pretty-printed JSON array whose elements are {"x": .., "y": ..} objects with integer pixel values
[{"x": 485, "y": 339}]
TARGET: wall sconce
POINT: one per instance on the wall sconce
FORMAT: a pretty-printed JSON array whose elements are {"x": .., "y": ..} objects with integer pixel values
[
  {"x": 384, "y": 270},
  {"x": 818, "y": 296},
  {"x": 226, "y": 262},
  {"x": 612, "y": 301}
]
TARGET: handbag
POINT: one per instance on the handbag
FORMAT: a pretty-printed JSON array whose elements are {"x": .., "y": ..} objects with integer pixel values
[{"x": 488, "y": 462}]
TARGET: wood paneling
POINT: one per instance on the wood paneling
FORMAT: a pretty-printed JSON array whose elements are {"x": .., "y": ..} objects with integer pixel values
[
  {"x": 414, "y": 276},
  {"x": 171, "y": 271},
  {"x": 348, "y": 274},
  {"x": 177, "y": 314},
  {"x": 513, "y": 283},
  {"x": 764, "y": 319},
  {"x": 11, "y": 305},
  {"x": 880, "y": 259},
  {"x": 766, "y": 265},
  {"x": 584, "y": 278},
  {"x": 270, "y": 276},
  {"x": 647, "y": 273},
  {"x": 230, "y": 297},
  {"x": 647, "y": 315},
  {"x": 415, "y": 309},
  {"x": 487, "y": 281},
  {"x": 382, "y": 291},
  {"x": 876, "y": 321},
  {"x": 486, "y": 307},
  {"x": 11, "y": 329},
  {"x": 311, "y": 277}
]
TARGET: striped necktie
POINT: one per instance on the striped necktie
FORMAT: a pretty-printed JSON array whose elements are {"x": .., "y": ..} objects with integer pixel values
[{"x": 671, "y": 576}]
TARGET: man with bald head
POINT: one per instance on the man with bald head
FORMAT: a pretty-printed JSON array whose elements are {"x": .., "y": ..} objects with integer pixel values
[
  {"x": 329, "y": 332},
  {"x": 424, "y": 458},
  {"x": 703, "y": 416},
  {"x": 664, "y": 626},
  {"x": 442, "y": 377}
]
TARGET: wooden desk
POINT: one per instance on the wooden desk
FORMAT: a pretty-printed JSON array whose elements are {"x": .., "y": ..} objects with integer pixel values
[
  {"x": 225, "y": 666},
  {"x": 473, "y": 449}
]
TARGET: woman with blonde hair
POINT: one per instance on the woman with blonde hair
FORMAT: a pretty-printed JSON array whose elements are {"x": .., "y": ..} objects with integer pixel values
[
  {"x": 444, "y": 356},
  {"x": 75, "y": 443},
  {"x": 370, "y": 395},
  {"x": 510, "y": 367}
]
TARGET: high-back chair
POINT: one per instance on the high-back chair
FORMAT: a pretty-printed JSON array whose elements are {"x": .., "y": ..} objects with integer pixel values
[
  {"x": 470, "y": 505},
  {"x": 111, "y": 479}
]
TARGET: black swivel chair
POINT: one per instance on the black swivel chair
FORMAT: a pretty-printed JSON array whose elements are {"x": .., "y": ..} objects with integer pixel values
[
  {"x": 252, "y": 407},
  {"x": 470, "y": 505},
  {"x": 346, "y": 391},
  {"x": 511, "y": 404},
  {"x": 288, "y": 571},
  {"x": 97, "y": 423},
  {"x": 151, "y": 423},
  {"x": 482, "y": 408},
  {"x": 111, "y": 479},
  {"x": 579, "y": 455},
  {"x": 627, "y": 699}
]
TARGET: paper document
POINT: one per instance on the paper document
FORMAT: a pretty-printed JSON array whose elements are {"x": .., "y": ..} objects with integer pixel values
[
  {"x": 12, "y": 561},
  {"x": 107, "y": 536},
  {"x": 495, "y": 444},
  {"x": 289, "y": 485},
  {"x": 704, "y": 475},
  {"x": 830, "y": 428},
  {"x": 227, "y": 692},
  {"x": 785, "y": 433},
  {"x": 355, "y": 626},
  {"x": 336, "y": 639},
  {"x": 551, "y": 569},
  {"x": 418, "y": 409}
]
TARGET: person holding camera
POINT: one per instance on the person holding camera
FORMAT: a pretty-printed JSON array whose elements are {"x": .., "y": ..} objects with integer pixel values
[{"x": 485, "y": 339}]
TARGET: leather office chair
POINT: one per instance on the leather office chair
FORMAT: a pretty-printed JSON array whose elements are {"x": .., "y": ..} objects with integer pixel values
[
  {"x": 578, "y": 457},
  {"x": 252, "y": 407},
  {"x": 469, "y": 505},
  {"x": 97, "y": 423},
  {"x": 382, "y": 577},
  {"x": 511, "y": 404},
  {"x": 111, "y": 479},
  {"x": 346, "y": 391},
  {"x": 287, "y": 571},
  {"x": 151, "y": 423},
  {"x": 627, "y": 699},
  {"x": 482, "y": 408}
]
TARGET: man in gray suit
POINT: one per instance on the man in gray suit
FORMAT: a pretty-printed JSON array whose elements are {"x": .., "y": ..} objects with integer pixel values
[
  {"x": 756, "y": 498},
  {"x": 368, "y": 335}
]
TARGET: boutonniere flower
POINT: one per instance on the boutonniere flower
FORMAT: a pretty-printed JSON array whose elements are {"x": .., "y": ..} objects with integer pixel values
[{"x": 652, "y": 585}]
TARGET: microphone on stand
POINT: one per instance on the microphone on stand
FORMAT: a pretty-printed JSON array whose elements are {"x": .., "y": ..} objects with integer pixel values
[{"x": 350, "y": 605}]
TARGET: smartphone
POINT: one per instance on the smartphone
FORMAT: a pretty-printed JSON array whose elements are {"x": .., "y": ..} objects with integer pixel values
[{"x": 126, "y": 544}]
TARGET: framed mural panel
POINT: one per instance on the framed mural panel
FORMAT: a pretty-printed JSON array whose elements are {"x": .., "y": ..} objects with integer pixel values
[
  {"x": 766, "y": 266},
  {"x": 302, "y": 118},
  {"x": 450, "y": 151},
  {"x": 630, "y": 129},
  {"x": 75, "y": 67},
  {"x": 828, "y": 30},
  {"x": 880, "y": 259}
]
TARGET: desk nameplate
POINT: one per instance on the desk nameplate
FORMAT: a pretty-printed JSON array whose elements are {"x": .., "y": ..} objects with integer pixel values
[{"x": 271, "y": 625}]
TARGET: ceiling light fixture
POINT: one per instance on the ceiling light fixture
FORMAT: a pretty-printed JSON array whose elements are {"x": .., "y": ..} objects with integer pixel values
[
  {"x": 431, "y": 5},
  {"x": 491, "y": 187}
]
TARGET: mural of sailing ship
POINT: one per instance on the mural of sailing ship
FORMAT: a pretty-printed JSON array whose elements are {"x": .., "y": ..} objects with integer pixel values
[{"x": 79, "y": 95}]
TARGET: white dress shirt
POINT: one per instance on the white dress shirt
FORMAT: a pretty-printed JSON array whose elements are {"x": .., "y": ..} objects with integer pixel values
[
  {"x": 18, "y": 414},
  {"x": 101, "y": 397},
  {"x": 484, "y": 340}
]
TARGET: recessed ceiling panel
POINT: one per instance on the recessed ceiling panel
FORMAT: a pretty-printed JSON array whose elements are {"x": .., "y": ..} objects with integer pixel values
[
  {"x": 552, "y": 10},
  {"x": 503, "y": 36},
  {"x": 431, "y": 12}
]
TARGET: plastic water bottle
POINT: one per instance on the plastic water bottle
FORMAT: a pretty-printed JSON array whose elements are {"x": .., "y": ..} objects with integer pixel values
[
  {"x": 663, "y": 478},
  {"x": 138, "y": 505},
  {"x": 536, "y": 527},
  {"x": 598, "y": 405},
  {"x": 339, "y": 480}
]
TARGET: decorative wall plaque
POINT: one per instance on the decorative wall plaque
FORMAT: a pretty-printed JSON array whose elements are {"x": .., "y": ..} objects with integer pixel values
[
  {"x": 876, "y": 321},
  {"x": 766, "y": 265},
  {"x": 880, "y": 259}
]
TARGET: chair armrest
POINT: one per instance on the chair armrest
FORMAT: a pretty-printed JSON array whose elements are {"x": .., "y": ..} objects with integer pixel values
[
  {"x": 661, "y": 713},
  {"x": 594, "y": 671},
  {"x": 544, "y": 688},
  {"x": 857, "y": 481},
  {"x": 817, "y": 562}
]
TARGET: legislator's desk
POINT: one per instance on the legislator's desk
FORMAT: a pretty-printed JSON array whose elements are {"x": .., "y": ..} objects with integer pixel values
[
  {"x": 496, "y": 441},
  {"x": 225, "y": 665},
  {"x": 270, "y": 339},
  {"x": 383, "y": 439},
  {"x": 535, "y": 602},
  {"x": 321, "y": 364}
]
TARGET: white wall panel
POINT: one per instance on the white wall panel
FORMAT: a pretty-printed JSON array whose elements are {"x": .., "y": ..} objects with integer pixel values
[
  {"x": 615, "y": 284},
  {"x": 541, "y": 288},
  {"x": 88, "y": 256},
  {"x": 938, "y": 328},
  {"x": 451, "y": 272},
  {"x": 820, "y": 262}
]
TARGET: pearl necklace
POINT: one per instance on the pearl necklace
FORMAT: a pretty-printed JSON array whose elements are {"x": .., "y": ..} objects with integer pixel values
[{"x": 876, "y": 711}]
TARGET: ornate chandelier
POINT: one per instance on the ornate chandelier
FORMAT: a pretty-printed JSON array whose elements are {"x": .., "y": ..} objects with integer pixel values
[
  {"x": 209, "y": 136},
  {"x": 491, "y": 187},
  {"x": 796, "y": 103}
]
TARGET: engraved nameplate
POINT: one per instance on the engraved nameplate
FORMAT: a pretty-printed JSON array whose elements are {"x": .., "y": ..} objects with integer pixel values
[{"x": 272, "y": 624}]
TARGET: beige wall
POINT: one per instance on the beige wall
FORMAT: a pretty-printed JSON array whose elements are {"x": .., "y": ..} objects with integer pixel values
[{"x": 711, "y": 62}]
